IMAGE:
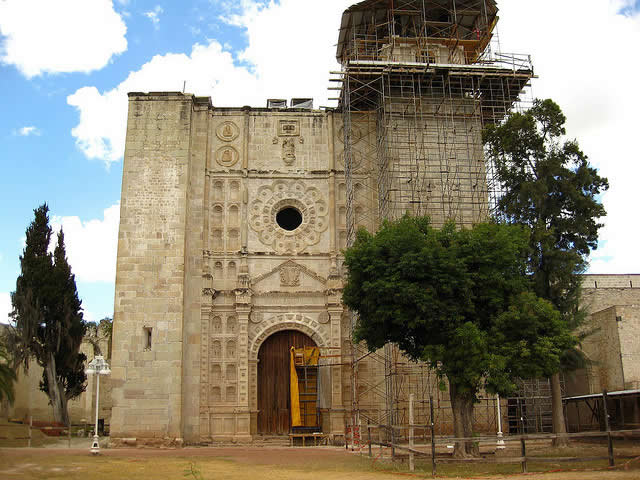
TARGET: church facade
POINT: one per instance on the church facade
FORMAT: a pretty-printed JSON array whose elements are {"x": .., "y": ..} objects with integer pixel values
[
  {"x": 233, "y": 221},
  {"x": 231, "y": 228}
]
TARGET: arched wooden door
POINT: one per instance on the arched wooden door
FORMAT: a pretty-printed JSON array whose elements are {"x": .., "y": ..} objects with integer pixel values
[{"x": 274, "y": 401}]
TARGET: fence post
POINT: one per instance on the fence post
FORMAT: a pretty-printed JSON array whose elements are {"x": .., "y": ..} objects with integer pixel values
[
  {"x": 433, "y": 439},
  {"x": 30, "y": 427},
  {"x": 412, "y": 466},
  {"x": 393, "y": 443},
  {"x": 69, "y": 434},
  {"x": 369, "y": 438},
  {"x": 607, "y": 426},
  {"x": 523, "y": 448},
  {"x": 346, "y": 437}
]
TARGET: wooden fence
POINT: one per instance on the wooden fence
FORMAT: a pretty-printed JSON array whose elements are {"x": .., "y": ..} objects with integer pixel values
[{"x": 360, "y": 437}]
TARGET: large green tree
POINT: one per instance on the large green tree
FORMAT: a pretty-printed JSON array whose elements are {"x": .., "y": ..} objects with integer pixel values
[
  {"x": 458, "y": 299},
  {"x": 48, "y": 325},
  {"x": 549, "y": 187}
]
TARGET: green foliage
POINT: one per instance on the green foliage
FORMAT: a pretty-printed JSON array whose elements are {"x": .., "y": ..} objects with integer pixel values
[
  {"x": 445, "y": 295},
  {"x": 193, "y": 472},
  {"x": 7, "y": 376},
  {"x": 47, "y": 313},
  {"x": 552, "y": 190}
]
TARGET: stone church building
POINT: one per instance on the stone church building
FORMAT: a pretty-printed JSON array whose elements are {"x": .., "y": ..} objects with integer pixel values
[{"x": 233, "y": 220}]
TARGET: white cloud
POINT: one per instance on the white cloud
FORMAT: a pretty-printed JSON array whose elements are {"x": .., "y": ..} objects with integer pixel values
[
  {"x": 26, "y": 131},
  {"x": 42, "y": 36},
  {"x": 154, "y": 15},
  {"x": 91, "y": 245},
  {"x": 207, "y": 71},
  {"x": 281, "y": 67},
  {"x": 5, "y": 307},
  {"x": 588, "y": 66}
]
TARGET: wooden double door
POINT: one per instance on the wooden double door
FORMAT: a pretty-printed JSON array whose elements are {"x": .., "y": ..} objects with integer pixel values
[{"x": 274, "y": 400}]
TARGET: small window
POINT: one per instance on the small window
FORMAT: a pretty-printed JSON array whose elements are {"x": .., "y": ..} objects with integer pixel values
[
  {"x": 147, "y": 338},
  {"x": 289, "y": 218}
]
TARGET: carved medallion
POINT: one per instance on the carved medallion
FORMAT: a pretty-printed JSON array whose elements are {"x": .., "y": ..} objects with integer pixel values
[
  {"x": 227, "y": 131},
  {"x": 323, "y": 317},
  {"x": 288, "y": 152},
  {"x": 227, "y": 156},
  {"x": 290, "y": 276},
  {"x": 271, "y": 199}
]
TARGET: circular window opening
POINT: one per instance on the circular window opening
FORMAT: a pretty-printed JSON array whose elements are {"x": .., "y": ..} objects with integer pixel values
[{"x": 289, "y": 218}]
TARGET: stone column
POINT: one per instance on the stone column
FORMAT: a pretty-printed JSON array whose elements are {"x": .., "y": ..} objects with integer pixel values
[
  {"x": 337, "y": 409},
  {"x": 243, "y": 310},
  {"x": 335, "y": 309}
]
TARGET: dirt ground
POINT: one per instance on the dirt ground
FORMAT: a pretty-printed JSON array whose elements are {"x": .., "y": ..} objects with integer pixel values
[{"x": 277, "y": 463}]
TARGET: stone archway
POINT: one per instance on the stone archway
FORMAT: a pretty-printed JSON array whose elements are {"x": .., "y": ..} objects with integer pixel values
[{"x": 274, "y": 402}]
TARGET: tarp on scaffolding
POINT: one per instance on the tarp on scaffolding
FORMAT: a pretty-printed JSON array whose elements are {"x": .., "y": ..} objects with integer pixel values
[{"x": 295, "y": 394}]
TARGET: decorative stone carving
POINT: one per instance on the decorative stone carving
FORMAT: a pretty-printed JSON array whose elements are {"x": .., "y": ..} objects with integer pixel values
[
  {"x": 227, "y": 131},
  {"x": 210, "y": 292},
  {"x": 275, "y": 140},
  {"x": 281, "y": 194},
  {"x": 289, "y": 128},
  {"x": 323, "y": 317},
  {"x": 290, "y": 276},
  {"x": 289, "y": 152},
  {"x": 290, "y": 264},
  {"x": 288, "y": 321},
  {"x": 227, "y": 156},
  {"x": 256, "y": 317}
]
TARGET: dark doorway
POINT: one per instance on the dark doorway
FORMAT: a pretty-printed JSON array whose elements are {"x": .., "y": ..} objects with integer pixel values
[{"x": 274, "y": 401}]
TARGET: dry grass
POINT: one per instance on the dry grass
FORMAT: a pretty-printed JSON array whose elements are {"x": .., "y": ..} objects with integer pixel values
[{"x": 263, "y": 463}]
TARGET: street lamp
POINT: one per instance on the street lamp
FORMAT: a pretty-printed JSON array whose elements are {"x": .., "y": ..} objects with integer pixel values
[
  {"x": 97, "y": 366},
  {"x": 500, "y": 443}
]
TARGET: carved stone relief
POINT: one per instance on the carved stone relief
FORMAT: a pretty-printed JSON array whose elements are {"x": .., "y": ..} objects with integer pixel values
[
  {"x": 290, "y": 276},
  {"x": 288, "y": 321},
  {"x": 289, "y": 152},
  {"x": 323, "y": 317},
  {"x": 227, "y": 131},
  {"x": 227, "y": 156},
  {"x": 282, "y": 194},
  {"x": 289, "y": 128}
]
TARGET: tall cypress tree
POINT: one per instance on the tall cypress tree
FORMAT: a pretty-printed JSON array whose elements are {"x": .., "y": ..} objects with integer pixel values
[
  {"x": 47, "y": 312},
  {"x": 552, "y": 189}
]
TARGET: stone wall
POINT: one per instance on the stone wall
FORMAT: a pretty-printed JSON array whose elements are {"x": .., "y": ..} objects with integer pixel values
[
  {"x": 205, "y": 269},
  {"x": 31, "y": 401}
]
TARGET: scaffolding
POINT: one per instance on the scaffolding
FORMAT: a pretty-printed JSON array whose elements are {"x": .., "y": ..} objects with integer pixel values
[{"x": 419, "y": 81}]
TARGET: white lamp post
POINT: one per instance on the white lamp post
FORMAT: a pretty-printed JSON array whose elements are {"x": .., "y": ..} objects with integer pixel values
[
  {"x": 97, "y": 366},
  {"x": 500, "y": 444}
]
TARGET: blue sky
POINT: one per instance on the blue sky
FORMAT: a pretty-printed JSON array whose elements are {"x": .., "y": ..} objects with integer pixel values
[{"x": 63, "y": 85}]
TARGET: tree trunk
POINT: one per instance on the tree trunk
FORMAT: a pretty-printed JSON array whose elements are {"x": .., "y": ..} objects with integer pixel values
[
  {"x": 559, "y": 426},
  {"x": 462, "y": 407},
  {"x": 56, "y": 395}
]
